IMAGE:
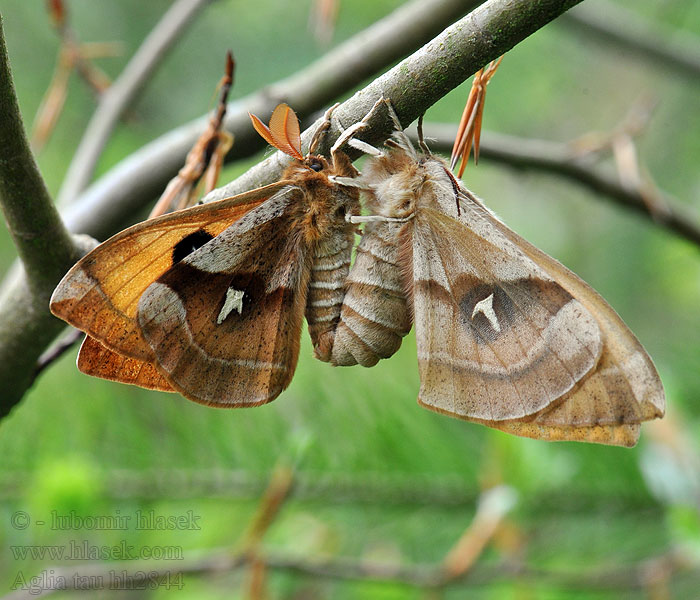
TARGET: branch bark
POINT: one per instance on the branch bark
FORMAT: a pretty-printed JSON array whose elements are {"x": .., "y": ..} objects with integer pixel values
[{"x": 43, "y": 244}]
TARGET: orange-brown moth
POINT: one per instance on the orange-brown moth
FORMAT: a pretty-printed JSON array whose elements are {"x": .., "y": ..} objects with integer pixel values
[
  {"x": 209, "y": 301},
  {"x": 506, "y": 335}
]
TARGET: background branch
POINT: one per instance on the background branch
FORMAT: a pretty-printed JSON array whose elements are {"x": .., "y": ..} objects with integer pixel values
[
  {"x": 634, "y": 576},
  {"x": 420, "y": 80},
  {"x": 616, "y": 25},
  {"x": 117, "y": 98},
  {"x": 557, "y": 159}
]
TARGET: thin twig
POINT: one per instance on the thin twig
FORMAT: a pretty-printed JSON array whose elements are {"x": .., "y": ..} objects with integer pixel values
[
  {"x": 494, "y": 504},
  {"x": 204, "y": 160},
  {"x": 622, "y": 27},
  {"x": 122, "y": 93},
  {"x": 57, "y": 350},
  {"x": 277, "y": 491},
  {"x": 557, "y": 159},
  {"x": 72, "y": 56},
  {"x": 271, "y": 502}
]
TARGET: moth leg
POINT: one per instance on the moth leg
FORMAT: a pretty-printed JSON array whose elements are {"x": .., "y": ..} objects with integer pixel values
[
  {"x": 349, "y": 182},
  {"x": 421, "y": 139},
  {"x": 400, "y": 135},
  {"x": 347, "y": 137},
  {"x": 366, "y": 148},
  {"x": 322, "y": 129}
]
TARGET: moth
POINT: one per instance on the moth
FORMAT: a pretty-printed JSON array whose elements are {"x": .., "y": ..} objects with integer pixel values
[
  {"x": 209, "y": 301},
  {"x": 506, "y": 336}
]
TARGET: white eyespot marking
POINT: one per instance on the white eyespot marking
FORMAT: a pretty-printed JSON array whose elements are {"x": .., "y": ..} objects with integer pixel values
[
  {"x": 234, "y": 301},
  {"x": 485, "y": 307}
]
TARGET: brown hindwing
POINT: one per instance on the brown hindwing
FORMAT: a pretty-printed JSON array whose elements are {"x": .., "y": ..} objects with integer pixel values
[{"x": 97, "y": 360}]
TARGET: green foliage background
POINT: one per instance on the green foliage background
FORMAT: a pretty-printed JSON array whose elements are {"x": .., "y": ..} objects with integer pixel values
[{"x": 381, "y": 478}]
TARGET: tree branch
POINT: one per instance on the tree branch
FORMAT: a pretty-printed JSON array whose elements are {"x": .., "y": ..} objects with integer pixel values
[
  {"x": 557, "y": 159},
  {"x": 423, "y": 78},
  {"x": 614, "y": 24},
  {"x": 44, "y": 245},
  {"x": 122, "y": 93},
  {"x": 142, "y": 176}
]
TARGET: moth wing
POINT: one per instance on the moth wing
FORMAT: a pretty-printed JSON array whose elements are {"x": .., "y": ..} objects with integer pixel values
[
  {"x": 224, "y": 323},
  {"x": 510, "y": 338},
  {"x": 624, "y": 389},
  {"x": 99, "y": 361},
  {"x": 497, "y": 338},
  {"x": 100, "y": 293}
]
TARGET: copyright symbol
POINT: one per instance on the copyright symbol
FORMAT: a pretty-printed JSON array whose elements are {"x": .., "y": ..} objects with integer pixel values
[{"x": 20, "y": 520}]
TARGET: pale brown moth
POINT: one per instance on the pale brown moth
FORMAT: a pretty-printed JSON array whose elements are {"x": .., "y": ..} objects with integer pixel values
[
  {"x": 506, "y": 335},
  {"x": 209, "y": 301}
]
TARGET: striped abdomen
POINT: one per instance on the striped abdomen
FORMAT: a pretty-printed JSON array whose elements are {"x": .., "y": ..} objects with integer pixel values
[
  {"x": 375, "y": 315},
  {"x": 331, "y": 264}
]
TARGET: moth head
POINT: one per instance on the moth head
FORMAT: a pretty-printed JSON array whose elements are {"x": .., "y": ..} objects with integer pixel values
[
  {"x": 332, "y": 200},
  {"x": 315, "y": 163},
  {"x": 396, "y": 184}
]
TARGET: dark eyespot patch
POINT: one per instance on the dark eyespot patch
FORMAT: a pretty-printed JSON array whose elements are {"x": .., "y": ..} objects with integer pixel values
[
  {"x": 189, "y": 244},
  {"x": 253, "y": 289},
  {"x": 315, "y": 165},
  {"x": 488, "y": 310},
  {"x": 503, "y": 305}
]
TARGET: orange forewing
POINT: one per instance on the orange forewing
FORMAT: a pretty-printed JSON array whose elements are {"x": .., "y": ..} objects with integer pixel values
[
  {"x": 209, "y": 301},
  {"x": 100, "y": 294}
]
